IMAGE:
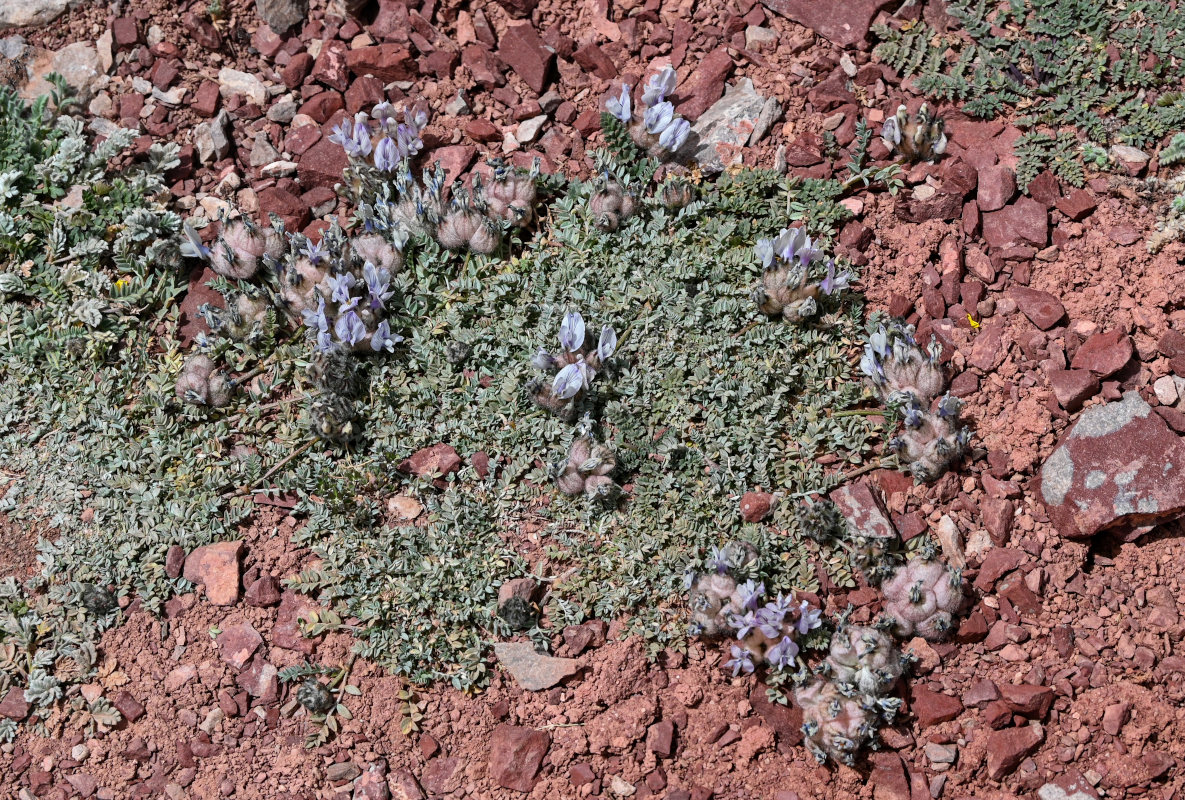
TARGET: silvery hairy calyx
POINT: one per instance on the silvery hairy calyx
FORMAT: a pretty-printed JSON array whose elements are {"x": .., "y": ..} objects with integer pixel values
[{"x": 787, "y": 289}]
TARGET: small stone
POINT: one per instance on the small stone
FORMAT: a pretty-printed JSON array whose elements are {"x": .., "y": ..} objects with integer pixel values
[
  {"x": 280, "y": 15},
  {"x": 1104, "y": 353},
  {"x": 211, "y": 140},
  {"x": 997, "y": 186},
  {"x": 1042, "y": 308},
  {"x": 128, "y": 706},
  {"x": 755, "y": 506},
  {"x": 526, "y": 54},
  {"x": 1031, "y": 701},
  {"x": 342, "y": 771},
  {"x": 1078, "y": 205},
  {"x": 660, "y": 738},
  {"x": 705, "y": 84},
  {"x": 932, "y": 707},
  {"x": 531, "y": 670},
  {"x": 941, "y": 753},
  {"x": 721, "y": 133},
  {"x": 516, "y": 753},
  {"x": 372, "y": 785},
  {"x": 1024, "y": 222},
  {"x": 14, "y": 706},
  {"x": 1073, "y": 387},
  {"x": 1007, "y": 748},
  {"x": 237, "y": 643},
  {"x": 528, "y": 129},
  {"x": 406, "y": 508},
  {"x": 1165, "y": 389},
  {"x": 440, "y": 460},
  {"x": 232, "y": 82},
  {"x": 843, "y": 24},
  {"x": 863, "y": 510},
  {"x": 215, "y": 567},
  {"x": 1115, "y": 716},
  {"x": 286, "y": 632}
]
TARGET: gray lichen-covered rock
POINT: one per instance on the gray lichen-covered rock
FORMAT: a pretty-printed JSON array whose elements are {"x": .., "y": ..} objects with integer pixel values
[
  {"x": 22, "y": 13},
  {"x": 1119, "y": 467},
  {"x": 741, "y": 117},
  {"x": 280, "y": 15},
  {"x": 211, "y": 140}
]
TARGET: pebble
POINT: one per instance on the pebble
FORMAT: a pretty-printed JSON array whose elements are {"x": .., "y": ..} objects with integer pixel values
[{"x": 1166, "y": 390}]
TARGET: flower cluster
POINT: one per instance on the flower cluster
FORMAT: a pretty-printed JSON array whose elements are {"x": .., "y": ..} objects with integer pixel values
[
  {"x": 784, "y": 289},
  {"x": 200, "y": 382},
  {"x": 240, "y": 249},
  {"x": 766, "y": 629},
  {"x": 838, "y": 722},
  {"x": 660, "y": 131},
  {"x": 934, "y": 437},
  {"x": 572, "y": 369},
  {"x": 587, "y": 471},
  {"x": 917, "y": 138},
  {"x": 611, "y": 203},
  {"x": 379, "y": 137},
  {"x": 865, "y": 659},
  {"x": 465, "y": 225},
  {"x": 922, "y": 598},
  {"x": 510, "y": 197}
]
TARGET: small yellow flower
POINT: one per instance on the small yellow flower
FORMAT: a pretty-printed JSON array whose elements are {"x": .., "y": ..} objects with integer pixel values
[{"x": 971, "y": 319}]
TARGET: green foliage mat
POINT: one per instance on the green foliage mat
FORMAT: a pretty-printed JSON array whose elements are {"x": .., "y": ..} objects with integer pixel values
[
  {"x": 1106, "y": 70},
  {"x": 704, "y": 400}
]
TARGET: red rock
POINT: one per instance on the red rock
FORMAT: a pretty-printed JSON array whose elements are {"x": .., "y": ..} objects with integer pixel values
[
  {"x": 297, "y": 69},
  {"x": 1042, "y": 308},
  {"x": 998, "y": 515},
  {"x": 216, "y": 568},
  {"x": 442, "y": 63},
  {"x": 287, "y": 205},
  {"x": 516, "y": 753},
  {"x": 888, "y": 778},
  {"x": 1031, "y": 701},
  {"x": 263, "y": 592},
  {"x": 981, "y": 693},
  {"x": 455, "y": 160},
  {"x": 1024, "y": 222},
  {"x": 863, "y": 510},
  {"x": 805, "y": 151},
  {"x": 844, "y": 24},
  {"x": 1174, "y": 418},
  {"x": 945, "y": 204},
  {"x": 237, "y": 643},
  {"x": 997, "y": 186},
  {"x": 1119, "y": 467},
  {"x": 932, "y": 707},
  {"x": 784, "y": 720},
  {"x": 364, "y": 93},
  {"x": 1078, "y": 205},
  {"x": 1123, "y": 771},
  {"x": 593, "y": 59},
  {"x": 174, "y": 560},
  {"x": 990, "y": 346},
  {"x": 202, "y": 31},
  {"x": 321, "y": 107},
  {"x": 206, "y": 100},
  {"x": 580, "y": 774},
  {"x": 1104, "y": 353},
  {"x": 481, "y": 129},
  {"x": 998, "y": 563},
  {"x": 299, "y": 140},
  {"x": 1045, "y": 189},
  {"x": 526, "y": 54},
  {"x": 125, "y": 32},
  {"x": 1007, "y": 748},
  {"x": 14, "y": 706},
  {"x": 322, "y": 164},
  {"x": 660, "y": 738},
  {"x": 705, "y": 85},
  {"x": 1172, "y": 344},
  {"x": 128, "y": 706},
  {"x": 330, "y": 67},
  {"x": 485, "y": 69},
  {"x": 387, "y": 62},
  {"x": 164, "y": 72},
  {"x": 755, "y": 506},
  {"x": 519, "y": 8},
  {"x": 1115, "y": 716},
  {"x": 286, "y": 632},
  {"x": 440, "y": 460},
  {"x": 1073, "y": 387},
  {"x": 260, "y": 680}
]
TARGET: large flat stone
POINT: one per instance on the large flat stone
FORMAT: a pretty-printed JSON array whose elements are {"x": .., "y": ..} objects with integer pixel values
[
  {"x": 843, "y": 23},
  {"x": 1120, "y": 467}
]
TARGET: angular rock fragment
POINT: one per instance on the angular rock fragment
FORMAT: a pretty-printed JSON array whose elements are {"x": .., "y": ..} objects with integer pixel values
[{"x": 1120, "y": 467}]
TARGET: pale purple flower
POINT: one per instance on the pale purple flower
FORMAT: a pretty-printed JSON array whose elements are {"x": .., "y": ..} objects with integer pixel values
[
  {"x": 744, "y": 623},
  {"x": 543, "y": 360},
  {"x": 408, "y": 139},
  {"x": 674, "y": 136},
  {"x": 353, "y": 136},
  {"x": 568, "y": 382},
  {"x": 741, "y": 661},
  {"x": 782, "y": 654},
  {"x": 313, "y": 251},
  {"x": 770, "y": 621},
  {"x": 192, "y": 247},
  {"x": 718, "y": 560},
  {"x": 416, "y": 119},
  {"x": 781, "y": 605},
  {"x": 607, "y": 344},
  {"x": 383, "y": 339},
  {"x": 377, "y": 283},
  {"x": 384, "y": 115},
  {"x": 659, "y": 86},
  {"x": 350, "y": 328},
  {"x": 572, "y": 331},
  {"x": 750, "y": 593},
  {"x": 658, "y": 117},
  {"x": 620, "y": 107},
  {"x": 316, "y": 319},
  {"x": 340, "y": 286},
  {"x": 834, "y": 283},
  {"x": 808, "y": 618},
  {"x": 387, "y": 155},
  {"x": 765, "y": 252}
]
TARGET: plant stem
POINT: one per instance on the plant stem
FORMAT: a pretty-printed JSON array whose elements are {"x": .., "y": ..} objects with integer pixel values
[{"x": 247, "y": 489}]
